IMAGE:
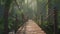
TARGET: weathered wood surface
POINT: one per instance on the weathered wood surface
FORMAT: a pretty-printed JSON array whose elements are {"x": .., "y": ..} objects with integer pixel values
[{"x": 30, "y": 27}]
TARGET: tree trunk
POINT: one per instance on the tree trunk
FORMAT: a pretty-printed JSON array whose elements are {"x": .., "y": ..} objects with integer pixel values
[
  {"x": 6, "y": 10},
  {"x": 16, "y": 23},
  {"x": 50, "y": 12},
  {"x": 55, "y": 21},
  {"x": 38, "y": 16}
]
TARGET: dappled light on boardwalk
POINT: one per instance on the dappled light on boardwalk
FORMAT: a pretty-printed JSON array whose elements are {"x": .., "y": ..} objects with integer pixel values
[{"x": 30, "y": 27}]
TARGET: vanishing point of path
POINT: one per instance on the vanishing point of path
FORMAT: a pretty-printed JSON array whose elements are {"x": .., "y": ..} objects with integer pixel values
[{"x": 30, "y": 27}]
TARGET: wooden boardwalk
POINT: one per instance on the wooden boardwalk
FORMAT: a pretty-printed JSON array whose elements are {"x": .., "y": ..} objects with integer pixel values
[{"x": 30, "y": 27}]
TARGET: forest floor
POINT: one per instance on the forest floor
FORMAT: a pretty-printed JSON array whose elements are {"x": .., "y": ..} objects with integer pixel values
[{"x": 30, "y": 27}]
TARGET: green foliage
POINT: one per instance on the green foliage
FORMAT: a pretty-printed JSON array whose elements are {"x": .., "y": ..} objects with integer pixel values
[{"x": 29, "y": 10}]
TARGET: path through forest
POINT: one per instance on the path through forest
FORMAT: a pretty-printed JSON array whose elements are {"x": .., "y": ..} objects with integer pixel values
[{"x": 30, "y": 27}]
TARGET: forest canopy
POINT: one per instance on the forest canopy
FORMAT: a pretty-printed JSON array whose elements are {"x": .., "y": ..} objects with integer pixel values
[{"x": 46, "y": 13}]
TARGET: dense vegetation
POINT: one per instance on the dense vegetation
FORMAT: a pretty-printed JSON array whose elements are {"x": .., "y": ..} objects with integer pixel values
[{"x": 12, "y": 13}]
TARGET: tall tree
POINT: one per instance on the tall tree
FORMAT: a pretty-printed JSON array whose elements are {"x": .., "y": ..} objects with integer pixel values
[
  {"x": 38, "y": 16},
  {"x": 55, "y": 21},
  {"x": 6, "y": 11},
  {"x": 50, "y": 12}
]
